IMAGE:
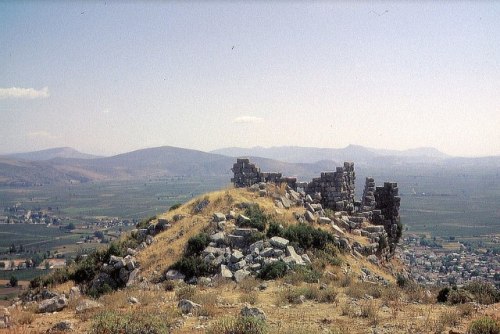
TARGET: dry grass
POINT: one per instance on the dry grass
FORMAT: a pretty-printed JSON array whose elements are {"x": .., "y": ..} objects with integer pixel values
[
  {"x": 251, "y": 298},
  {"x": 369, "y": 310},
  {"x": 21, "y": 317}
]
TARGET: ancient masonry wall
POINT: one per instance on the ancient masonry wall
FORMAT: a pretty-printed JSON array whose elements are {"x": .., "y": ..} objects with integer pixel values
[
  {"x": 247, "y": 174},
  {"x": 368, "y": 201},
  {"x": 336, "y": 188},
  {"x": 386, "y": 211}
]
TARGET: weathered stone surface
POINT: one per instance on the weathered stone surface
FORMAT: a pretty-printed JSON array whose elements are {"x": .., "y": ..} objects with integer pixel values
[
  {"x": 54, "y": 304},
  {"x": 173, "y": 274},
  {"x": 324, "y": 220},
  {"x": 63, "y": 326},
  {"x": 219, "y": 217},
  {"x": 188, "y": 306},
  {"x": 279, "y": 242},
  {"x": 242, "y": 219},
  {"x": 236, "y": 256},
  {"x": 225, "y": 272},
  {"x": 87, "y": 304},
  {"x": 240, "y": 265},
  {"x": 267, "y": 252},
  {"x": 74, "y": 293},
  {"x": 293, "y": 256},
  {"x": 239, "y": 275},
  {"x": 219, "y": 238},
  {"x": 133, "y": 300},
  {"x": 310, "y": 217},
  {"x": 286, "y": 202},
  {"x": 337, "y": 229},
  {"x": 253, "y": 312}
]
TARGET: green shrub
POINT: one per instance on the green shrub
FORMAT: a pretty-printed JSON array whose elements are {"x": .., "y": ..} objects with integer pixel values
[
  {"x": 197, "y": 244},
  {"x": 113, "y": 322},
  {"x": 175, "y": 206},
  {"x": 484, "y": 292},
  {"x": 303, "y": 274},
  {"x": 96, "y": 292},
  {"x": 273, "y": 270},
  {"x": 459, "y": 296},
  {"x": 145, "y": 222},
  {"x": 258, "y": 219},
  {"x": 274, "y": 229},
  {"x": 193, "y": 266},
  {"x": 484, "y": 325},
  {"x": 304, "y": 235},
  {"x": 442, "y": 296},
  {"x": 238, "y": 325}
]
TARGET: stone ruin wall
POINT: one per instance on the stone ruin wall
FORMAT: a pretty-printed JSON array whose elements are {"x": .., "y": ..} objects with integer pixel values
[
  {"x": 335, "y": 191},
  {"x": 386, "y": 211},
  {"x": 247, "y": 174}
]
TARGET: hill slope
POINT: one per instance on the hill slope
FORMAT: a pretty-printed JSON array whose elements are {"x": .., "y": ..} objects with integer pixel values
[{"x": 339, "y": 292}]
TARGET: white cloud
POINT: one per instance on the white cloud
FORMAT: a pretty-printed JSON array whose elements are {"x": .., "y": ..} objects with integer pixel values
[
  {"x": 43, "y": 134},
  {"x": 105, "y": 111},
  {"x": 23, "y": 93},
  {"x": 248, "y": 119}
]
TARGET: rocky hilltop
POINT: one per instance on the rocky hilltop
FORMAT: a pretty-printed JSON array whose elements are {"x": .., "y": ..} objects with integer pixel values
[{"x": 269, "y": 255}]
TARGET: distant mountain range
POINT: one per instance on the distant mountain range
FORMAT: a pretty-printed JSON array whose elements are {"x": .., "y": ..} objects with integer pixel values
[
  {"x": 62, "y": 165},
  {"x": 359, "y": 154},
  {"x": 51, "y": 153}
]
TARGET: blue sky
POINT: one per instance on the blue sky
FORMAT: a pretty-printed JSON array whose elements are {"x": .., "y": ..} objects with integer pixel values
[{"x": 107, "y": 77}]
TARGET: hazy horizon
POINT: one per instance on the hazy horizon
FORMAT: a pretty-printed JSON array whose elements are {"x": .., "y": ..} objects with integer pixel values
[{"x": 105, "y": 77}]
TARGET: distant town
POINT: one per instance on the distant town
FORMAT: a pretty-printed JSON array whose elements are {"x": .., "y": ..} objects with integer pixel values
[{"x": 431, "y": 263}]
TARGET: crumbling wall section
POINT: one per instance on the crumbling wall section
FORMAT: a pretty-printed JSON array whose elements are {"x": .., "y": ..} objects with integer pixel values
[
  {"x": 386, "y": 211},
  {"x": 247, "y": 174},
  {"x": 336, "y": 189},
  {"x": 368, "y": 201}
]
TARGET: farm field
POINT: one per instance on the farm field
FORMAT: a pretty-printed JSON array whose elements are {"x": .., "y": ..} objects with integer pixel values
[{"x": 445, "y": 202}]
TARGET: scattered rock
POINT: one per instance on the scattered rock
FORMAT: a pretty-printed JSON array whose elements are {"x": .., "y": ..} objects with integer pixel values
[
  {"x": 63, "y": 326},
  {"x": 279, "y": 242},
  {"x": 173, "y": 274},
  {"x": 74, "y": 293},
  {"x": 187, "y": 306},
  {"x": 86, "y": 304},
  {"x": 240, "y": 275},
  {"x": 253, "y": 312},
  {"x": 54, "y": 304},
  {"x": 133, "y": 300}
]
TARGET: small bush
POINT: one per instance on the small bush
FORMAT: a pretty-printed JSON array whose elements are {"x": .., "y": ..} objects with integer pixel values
[
  {"x": 459, "y": 296},
  {"x": 484, "y": 292},
  {"x": 175, "y": 206},
  {"x": 249, "y": 297},
  {"x": 369, "y": 310},
  {"x": 238, "y": 325},
  {"x": 449, "y": 318},
  {"x": 327, "y": 295},
  {"x": 273, "y": 270},
  {"x": 304, "y": 235},
  {"x": 193, "y": 266},
  {"x": 145, "y": 222},
  {"x": 484, "y": 325},
  {"x": 185, "y": 292},
  {"x": 442, "y": 296},
  {"x": 258, "y": 219},
  {"x": 197, "y": 244},
  {"x": 248, "y": 284},
  {"x": 110, "y": 322},
  {"x": 302, "y": 274}
]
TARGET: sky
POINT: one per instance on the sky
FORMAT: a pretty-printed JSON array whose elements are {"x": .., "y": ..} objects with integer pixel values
[{"x": 107, "y": 77}]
